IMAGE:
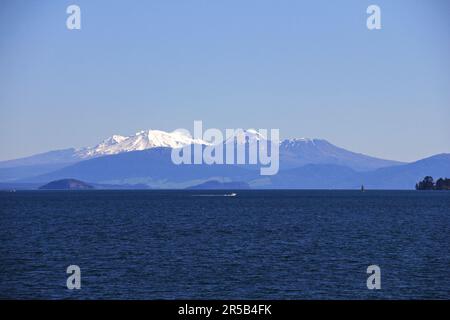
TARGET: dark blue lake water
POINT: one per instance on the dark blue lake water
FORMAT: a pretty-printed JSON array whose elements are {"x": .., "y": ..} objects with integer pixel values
[{"x": 257, "y": 245}]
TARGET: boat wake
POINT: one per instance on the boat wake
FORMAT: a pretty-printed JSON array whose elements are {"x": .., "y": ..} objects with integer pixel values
[{"x": 216, "y": 195}]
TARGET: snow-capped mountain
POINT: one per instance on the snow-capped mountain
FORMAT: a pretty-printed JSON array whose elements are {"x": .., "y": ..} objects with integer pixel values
[
  {"x": 142, "y": 140},
  {"x": 148, "y": 139},
  {"x": 299, "y": 152},
  {"x": 294, "y": 153}
]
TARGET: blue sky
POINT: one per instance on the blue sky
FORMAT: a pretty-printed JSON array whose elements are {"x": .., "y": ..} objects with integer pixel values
[{"x": 309, "y": 68}]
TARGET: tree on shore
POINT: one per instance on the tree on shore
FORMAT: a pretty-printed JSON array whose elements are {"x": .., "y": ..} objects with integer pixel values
[
  {"x": 443, "y": 184},
  {"x": 428, "y": 184}
]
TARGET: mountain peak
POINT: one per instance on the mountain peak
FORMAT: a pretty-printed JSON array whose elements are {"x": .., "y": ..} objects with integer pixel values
[
  {"x": 244, "y": 136},
  {"x": 299, "y": 140},
  {"x": 142, "y": 140}
]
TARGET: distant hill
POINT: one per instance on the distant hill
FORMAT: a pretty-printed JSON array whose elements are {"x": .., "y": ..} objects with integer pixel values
[
  {"x": 66, "y": 184},
  {"x": 154, "y": 168},
  {"x": 217, "y": 185},
  {"x": 340, "y": 177},
  {"x": 300, "y": 152},
  {"x": 65, "y": 156},
  {"x": 22, "y": 172},
  {"x": 316, "y": 176},
  {"x": 407, "y": 175},
  {"x": 36, "y": 186}
]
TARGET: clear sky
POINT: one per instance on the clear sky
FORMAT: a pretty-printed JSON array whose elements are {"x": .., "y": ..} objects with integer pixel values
[{"x": 309, "y": 68}]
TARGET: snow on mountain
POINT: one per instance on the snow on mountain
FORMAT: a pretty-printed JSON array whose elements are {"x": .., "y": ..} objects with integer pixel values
[
  {"x": 142, "y": 140},
  {"x": 148, "y": 139},
  {"x": 246, "y": 136},
  {"x": 296, "y": 141}
]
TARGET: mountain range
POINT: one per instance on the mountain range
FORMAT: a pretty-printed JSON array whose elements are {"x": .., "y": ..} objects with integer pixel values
[{"x": 144, "y": 159}]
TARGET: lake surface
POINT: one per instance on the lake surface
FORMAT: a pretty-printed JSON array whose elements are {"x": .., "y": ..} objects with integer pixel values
[{"x": 203, "y": 245}]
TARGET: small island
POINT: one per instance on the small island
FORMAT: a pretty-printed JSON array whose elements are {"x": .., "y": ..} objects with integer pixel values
[
  {"x": 66, "y": 184},
  {"x": 217, "y": 185},
  {"x": 428, "y": 184}
]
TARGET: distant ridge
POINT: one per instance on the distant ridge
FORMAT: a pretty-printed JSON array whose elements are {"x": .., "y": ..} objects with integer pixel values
[
  {"x": 217, "y": 185},
  {"x": 155, "y": 169}
]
